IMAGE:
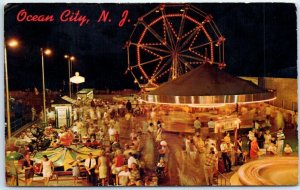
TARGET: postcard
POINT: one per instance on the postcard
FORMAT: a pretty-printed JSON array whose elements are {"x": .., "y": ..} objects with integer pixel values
[{"x": 150, "y": 94}]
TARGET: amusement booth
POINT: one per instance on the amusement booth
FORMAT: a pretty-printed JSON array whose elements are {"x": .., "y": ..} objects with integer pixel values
[
  {"x": 86, "y": 94},
  {"x": 63, "y": 111}
]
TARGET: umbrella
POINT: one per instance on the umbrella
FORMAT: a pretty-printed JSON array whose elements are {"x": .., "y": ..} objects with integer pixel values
[
  {"x": 14, "y": 156},
  {"x": 11, "y": 158}
]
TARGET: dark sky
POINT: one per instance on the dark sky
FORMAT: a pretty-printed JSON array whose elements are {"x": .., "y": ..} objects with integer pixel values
[{"x": 261, "y": 40}]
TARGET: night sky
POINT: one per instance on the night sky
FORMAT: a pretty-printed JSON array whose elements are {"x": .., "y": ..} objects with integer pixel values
[{"x": 261, "y": 40}]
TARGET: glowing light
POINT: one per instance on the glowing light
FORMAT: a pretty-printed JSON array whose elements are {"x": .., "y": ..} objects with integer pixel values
[
  {"x": 13, "y": 43},
  {"x": 201, "y": 105},
  {"x": 72, "y": 58},
  {"x": 47, "y": 51}
]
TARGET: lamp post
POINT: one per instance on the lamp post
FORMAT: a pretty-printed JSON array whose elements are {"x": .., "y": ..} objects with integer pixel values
[
  {"x": 44, "y": 52},
  {"x": 70, "y": 59},
  {"x": 11, "y": 43}
]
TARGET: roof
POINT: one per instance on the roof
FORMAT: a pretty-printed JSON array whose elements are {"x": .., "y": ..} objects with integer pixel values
[
  {"x": 207, "y": 80},
  {"x": 207, "y": 84},
  {"x": 68, "y": 99},
  {"x": 85, "y": 90},
  {"x": 61, "y": 100}
]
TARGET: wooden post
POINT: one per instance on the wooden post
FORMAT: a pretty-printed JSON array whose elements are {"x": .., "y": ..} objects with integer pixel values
[{"x": 235, "y": 137}]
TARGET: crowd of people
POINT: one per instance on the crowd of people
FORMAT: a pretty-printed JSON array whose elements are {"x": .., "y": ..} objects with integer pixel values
[
  {"x": 220, "y": 154},
  {"x": 96, "y": 125},
  {"x": 122, "y": 162}
]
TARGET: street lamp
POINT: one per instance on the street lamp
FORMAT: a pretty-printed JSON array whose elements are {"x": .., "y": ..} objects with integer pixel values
[
  {"x": 44, "y": 52},
  {"x": 70, "y": 59},
  {"x": 13, "y": 43}
]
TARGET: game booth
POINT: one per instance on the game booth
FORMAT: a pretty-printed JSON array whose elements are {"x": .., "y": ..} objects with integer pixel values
[{"x": 63, "y": 110}]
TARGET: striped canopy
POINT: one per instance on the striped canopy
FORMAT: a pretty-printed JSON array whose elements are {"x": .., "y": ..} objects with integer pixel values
[{"x": 64, "y": 156}]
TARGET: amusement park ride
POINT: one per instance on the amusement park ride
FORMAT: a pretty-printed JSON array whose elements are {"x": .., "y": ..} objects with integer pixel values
[
  {"x": 171, "y": 40},
  {"x": 176, "y": 47}
]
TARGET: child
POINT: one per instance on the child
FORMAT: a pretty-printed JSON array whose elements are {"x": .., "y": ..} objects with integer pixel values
[
  {"x": 287, "y": 149},
  {"x": 76, "y": 169},
  {"x": 161, "y": 166},
  {"x": 272, "y": 149}
]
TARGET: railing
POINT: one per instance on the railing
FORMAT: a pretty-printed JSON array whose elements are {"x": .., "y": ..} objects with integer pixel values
[
  {"x": 18, "y": 123},
  {"x": 222, "y": 180}
]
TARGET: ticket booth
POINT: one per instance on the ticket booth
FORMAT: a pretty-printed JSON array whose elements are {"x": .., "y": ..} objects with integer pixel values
[{"x": 63, "y": 112}]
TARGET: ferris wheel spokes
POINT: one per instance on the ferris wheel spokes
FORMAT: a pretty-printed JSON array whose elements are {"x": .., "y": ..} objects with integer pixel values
[
  {"x": 154, "y": 34},
  {"x": 172, "y": 40}
]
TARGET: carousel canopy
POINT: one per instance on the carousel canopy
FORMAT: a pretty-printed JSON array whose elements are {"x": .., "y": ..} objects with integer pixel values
[
  {"x": 65, "y": 156},
  {"x": 207, "y": 85}
]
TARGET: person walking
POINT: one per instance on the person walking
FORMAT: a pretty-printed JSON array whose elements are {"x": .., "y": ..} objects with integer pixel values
[
  {"x": 129, "y": 106},
  {"x": 47, "y": 169},
  {"x": 197, "y": 124},
  {"x": 29, "y": 172},
  {"x": 76, "y": 169},
  {"x": 102, "y": 168},
  {"x": 226, "y": 160},
  {"x": 254, "y": 149},
  {"x": 209, "y": 166},
  {"x": 90, "y": 164}
]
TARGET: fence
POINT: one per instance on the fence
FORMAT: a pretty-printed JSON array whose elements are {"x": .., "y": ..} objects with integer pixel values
[
  {"x": 16, "y": 124},
  {"x": 222, "y": 180}
]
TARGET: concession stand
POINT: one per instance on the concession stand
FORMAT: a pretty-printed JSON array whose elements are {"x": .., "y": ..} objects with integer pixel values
[{"x": 63, "y": 111}]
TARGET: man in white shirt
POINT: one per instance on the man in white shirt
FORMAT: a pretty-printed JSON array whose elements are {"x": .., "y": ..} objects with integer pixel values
[
  {"x": 90, "y": 164},
  {"x": 123, "y": 176},
  {"x": 225, "y": 150},
  {"x": 131, "y": 160},
  {"x": 211, "y": 125},
  {"x": 197, "y": 124},
  {"x": 111, "y": 133}
]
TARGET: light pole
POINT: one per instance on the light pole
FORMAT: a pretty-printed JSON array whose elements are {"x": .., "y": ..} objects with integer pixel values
[
  {"x": 11, "y": 43},
  {"x": 44, "y": 52},
  {"x": 70, "y": 59}
]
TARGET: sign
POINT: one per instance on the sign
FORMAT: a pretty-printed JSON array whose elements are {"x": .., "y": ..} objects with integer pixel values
[{"x": 227, "y": 124}]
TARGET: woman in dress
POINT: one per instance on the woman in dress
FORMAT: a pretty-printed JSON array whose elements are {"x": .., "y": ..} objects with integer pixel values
[
  {"x": 29, "y": 172},
  {"x": 47, "y": 167},
  {"x": 12, "y": 170},
  {"x": 102, "y": 165},
  {"x": 76, "y": 169},
  {"x": 159, "y": 133},
  {"x": 254, "y": 149}
]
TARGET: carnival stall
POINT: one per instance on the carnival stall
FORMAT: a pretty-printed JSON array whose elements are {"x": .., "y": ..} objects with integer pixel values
[
  {"x": 85, "y": 94},
  {"x": 63, "y": 110}
]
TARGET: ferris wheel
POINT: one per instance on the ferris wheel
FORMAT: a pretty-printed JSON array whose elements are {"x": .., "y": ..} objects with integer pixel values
[{"x": 169, "y": 41}]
